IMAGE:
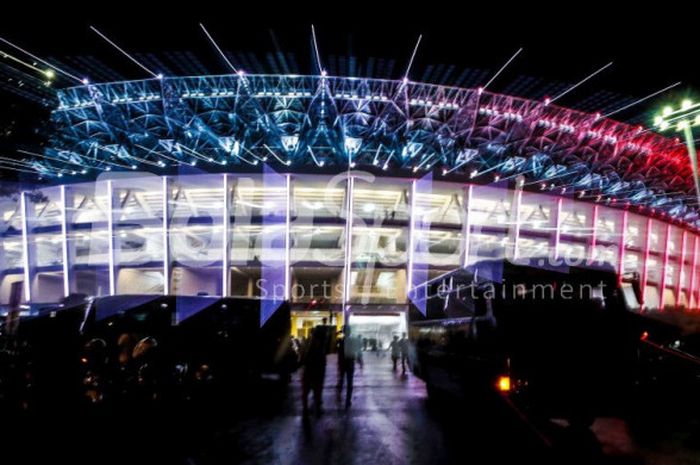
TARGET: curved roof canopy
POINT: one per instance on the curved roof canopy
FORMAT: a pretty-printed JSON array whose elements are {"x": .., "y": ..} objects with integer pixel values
[{"x": 322, "y": 123}]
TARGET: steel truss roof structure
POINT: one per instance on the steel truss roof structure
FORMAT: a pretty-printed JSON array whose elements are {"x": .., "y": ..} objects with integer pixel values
[{"x": 323, "y": 123}]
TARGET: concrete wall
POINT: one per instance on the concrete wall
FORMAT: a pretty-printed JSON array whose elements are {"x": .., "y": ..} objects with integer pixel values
[
  {"x": 192, "y": 281},
  {"x": 47, "y": 287},
  {"x": 6, "y": 286},
  {"x": 138, "y": 281}
]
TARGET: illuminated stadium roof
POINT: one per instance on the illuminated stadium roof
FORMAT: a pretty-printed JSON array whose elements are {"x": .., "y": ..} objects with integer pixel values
[{"x": 322, "y": 123}]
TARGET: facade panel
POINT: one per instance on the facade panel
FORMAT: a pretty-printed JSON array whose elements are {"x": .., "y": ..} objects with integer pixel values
[{"x": 320, "y": 242}]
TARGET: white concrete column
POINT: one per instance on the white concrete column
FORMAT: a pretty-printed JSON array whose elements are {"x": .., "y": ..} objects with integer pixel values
[
  {"x": 110, "y": 237},
  {"x": 225, "y": 242},
  {"x": 26, "y": 260},
  {"x": 288, "y": 242},
  {"x": 64, "y": 242},
  {"x": 166, "y": 235},
  {"x": 349, "y": 198},
  {"x": 467, "y": 226}
]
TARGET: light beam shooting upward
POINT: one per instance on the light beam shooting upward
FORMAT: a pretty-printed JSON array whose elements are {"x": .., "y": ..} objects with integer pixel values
[
  {"x": 502, "y": 68},
  {"x": 107, "y": 39},
  {"x": 582, "y": 81},
  {"x": 643, "y": 99},
  {"x": 316, "y": 54},
  {"x": 218, "y": 49},
  {"x": 46, "y": 73},
  {"x": 66, "y": 73},
  {"x": 413, "y": 57}
]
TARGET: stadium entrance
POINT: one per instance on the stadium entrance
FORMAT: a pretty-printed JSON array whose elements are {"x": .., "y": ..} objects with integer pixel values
[{"x": 377, "y": 330}]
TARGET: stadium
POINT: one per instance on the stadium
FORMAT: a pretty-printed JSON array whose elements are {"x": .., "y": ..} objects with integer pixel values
[
  {"x": 309, "y": 235},
  {"x": 338, "y": 194}
]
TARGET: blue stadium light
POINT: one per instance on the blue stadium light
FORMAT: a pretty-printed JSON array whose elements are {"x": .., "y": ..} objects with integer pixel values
[{"x": 304, "y": 123}]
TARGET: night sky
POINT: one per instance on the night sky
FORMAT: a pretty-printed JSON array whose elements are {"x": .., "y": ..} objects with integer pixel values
[{"x": 651, "y": 48}]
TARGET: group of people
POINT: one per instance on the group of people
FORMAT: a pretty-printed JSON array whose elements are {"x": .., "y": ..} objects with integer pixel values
[
  {"x": 349, "y": 349},
  {"x": 318, "y": 346},
  {"x": 399, "y": 351}
]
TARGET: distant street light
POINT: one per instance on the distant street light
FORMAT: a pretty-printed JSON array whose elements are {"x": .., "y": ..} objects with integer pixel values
[{"x": 682, "y": 120}]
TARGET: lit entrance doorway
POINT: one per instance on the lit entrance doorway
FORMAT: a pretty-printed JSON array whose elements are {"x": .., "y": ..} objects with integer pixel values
[
  {"x": 304, "y": 321},
  {"x": 377, "y": 330}
]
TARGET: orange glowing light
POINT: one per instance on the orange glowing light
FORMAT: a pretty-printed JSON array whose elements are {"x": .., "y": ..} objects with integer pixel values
[{"x": 503, "y": 383}]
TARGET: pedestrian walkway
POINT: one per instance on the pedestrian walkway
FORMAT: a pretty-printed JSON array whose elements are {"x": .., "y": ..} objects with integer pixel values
[{"x": 390, "y": 422}]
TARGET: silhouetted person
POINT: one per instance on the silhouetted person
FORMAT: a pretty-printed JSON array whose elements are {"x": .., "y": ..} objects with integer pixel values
[
  {"x": 340, "y": 350},
  {"x": 359, "y": 357},
  {"x": 148, "y": 368},
  {"x": 395, "y": 351},
  {"x": 352, "y": 347},
  {"x": 95, "y": 362},
  {"x": 403, "y": 348},
  {"x": 125, "y": 347},
  {"x": 124, "y": 377},
  {"x": 315, "y": 367}
]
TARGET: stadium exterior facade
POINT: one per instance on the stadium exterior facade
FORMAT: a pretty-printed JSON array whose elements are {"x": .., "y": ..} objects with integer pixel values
[{"x": 337, "y": 192}]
